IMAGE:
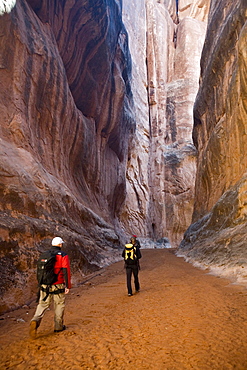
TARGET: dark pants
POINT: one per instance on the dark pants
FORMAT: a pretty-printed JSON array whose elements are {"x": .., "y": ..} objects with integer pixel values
[{"x": 129, "y": 270}]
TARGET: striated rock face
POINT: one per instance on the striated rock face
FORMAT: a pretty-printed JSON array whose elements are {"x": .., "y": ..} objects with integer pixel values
[
  {"x": 160, "y": 195},
  {"x": 134, "y": 215},
  {"x": 66, "y": 115},
  {"x": 96, "y": 129},
  {"x": 217, "y": 236},
  {"x": 197, "y": 9}
]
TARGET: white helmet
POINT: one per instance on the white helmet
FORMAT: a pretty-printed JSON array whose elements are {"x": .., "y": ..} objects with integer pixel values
[{"x": 57, "y": 241}]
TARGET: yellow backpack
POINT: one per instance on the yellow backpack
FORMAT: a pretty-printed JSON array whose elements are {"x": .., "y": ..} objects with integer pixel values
[{"x": 130, "y": 253}]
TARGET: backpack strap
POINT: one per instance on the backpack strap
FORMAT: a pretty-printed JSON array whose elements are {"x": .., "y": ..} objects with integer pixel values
[
  {"x": 58, "y": 291},
  {"x": 47, "y": 290}
]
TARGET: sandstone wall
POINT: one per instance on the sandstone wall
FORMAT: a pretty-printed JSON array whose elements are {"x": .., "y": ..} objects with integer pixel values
[
  {"x": 135, "y": 210},
  {"x": 95, "y": 129},
  {"x": 162, "y": 164},
  {"x": 66, "y": 115},
  {"x": 217, "y": 235}
]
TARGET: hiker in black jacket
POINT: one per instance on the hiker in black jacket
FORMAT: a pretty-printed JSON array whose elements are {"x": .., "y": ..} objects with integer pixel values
[
  {"x": 131, "y": 255},
  {"x": 136, "y": 244}
]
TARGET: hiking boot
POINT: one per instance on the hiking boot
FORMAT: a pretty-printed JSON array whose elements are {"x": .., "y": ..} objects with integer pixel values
[
  {"x": 33, "y": 329},
  {"x": 57, "y": 331}
]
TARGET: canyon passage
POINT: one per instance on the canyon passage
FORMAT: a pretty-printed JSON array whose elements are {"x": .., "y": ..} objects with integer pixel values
[
  {"x": 96, "y": 119},
  {"x": 122, "y": 117},
  {"x": 183, "y": 318}
]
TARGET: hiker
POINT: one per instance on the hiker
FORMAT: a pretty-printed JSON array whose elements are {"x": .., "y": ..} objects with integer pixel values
[
  {"x": 136, "y": 241},
  {"x": 55, "y": 290},
  {"x": 131, "y": 255},
  {"x": 137, "y": 245}
]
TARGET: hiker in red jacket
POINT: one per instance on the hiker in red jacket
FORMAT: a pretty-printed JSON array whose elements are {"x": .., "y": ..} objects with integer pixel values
[{"x": 56, "y": 291}]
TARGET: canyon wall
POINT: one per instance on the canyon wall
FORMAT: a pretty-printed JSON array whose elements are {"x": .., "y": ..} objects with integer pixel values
[
  {"x": 96, "y": 118},
  {"x": 217, "y": 237},
  {"x": 66, "y": 115},
  {"x": 165, "y": 46}
]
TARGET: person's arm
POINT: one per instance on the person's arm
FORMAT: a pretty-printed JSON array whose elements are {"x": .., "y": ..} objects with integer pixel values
[
  {"x": 66, "y": 280},
  {"x": 138, "y": 252}
]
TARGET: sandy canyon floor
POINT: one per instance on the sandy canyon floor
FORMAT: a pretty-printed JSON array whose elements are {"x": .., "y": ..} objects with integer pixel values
[{"x": 183, "y": 318}]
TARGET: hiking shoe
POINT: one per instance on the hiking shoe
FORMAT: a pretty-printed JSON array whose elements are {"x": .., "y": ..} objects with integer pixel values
[
  {"x": 57, "y": 331},
  {"x": 33, "y": 329}
]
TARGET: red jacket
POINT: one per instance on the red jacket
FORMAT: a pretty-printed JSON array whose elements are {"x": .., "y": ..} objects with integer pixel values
[{"x": 62, "y": 268}]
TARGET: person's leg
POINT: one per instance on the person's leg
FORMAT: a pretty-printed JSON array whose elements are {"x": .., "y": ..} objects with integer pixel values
[
  {"x": 128, "y": 275},
  {"x": 136, "y": 280},
  {"x": 39, "y": 313},
  {"x": 59, "y": 306}
]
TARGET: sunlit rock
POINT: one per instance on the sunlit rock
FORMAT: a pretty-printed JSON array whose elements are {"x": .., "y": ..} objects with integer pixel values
[
  {"x": 217, "y": 236},
  {"x": 197, "y": 9},
  {"x": 162, "y": 161},
  {"x": 6, "y": 6}
]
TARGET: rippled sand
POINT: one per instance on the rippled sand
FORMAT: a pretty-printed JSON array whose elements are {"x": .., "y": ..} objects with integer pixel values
[{"x": 181, "y": 319}]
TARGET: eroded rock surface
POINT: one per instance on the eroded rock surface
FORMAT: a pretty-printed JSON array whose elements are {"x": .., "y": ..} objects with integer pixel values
[
  {"x": 95, "y": 129},
  {"x": 160, "y": 195},
  {"x": 217, "y": 236},
  {"x": 66, "y": 114}
]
